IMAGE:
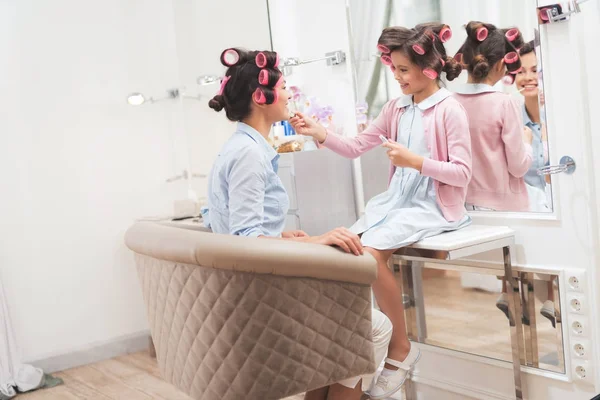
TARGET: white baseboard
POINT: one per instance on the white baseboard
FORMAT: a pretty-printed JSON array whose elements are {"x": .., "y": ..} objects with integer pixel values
[{"x": 94, "y": 352}]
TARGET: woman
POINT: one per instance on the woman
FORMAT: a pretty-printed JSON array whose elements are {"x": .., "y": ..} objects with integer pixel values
[{"x": 245, "y": 195}]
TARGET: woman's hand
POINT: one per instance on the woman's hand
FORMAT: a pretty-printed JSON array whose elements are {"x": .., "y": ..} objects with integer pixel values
[
  {"x": 402, "y": 157},
  {"x": 293, "y": 234},
  {"x": 341, "y": 237},
  {"x": 307, "y": 126}
]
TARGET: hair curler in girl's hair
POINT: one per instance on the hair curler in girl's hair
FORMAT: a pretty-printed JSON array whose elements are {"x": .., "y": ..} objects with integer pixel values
[
  {"x": 443, "y": 62},
  {"x": 386, "y": 60},
  {"x": 512, "y": 34},
  {"x": 418, "y": 49},
  {"x": 430, "y": 73},
  {"x": 383, "y": 48},
  {"x": 508, "y": 80},
  {"x": 482, "y": 33},
  {"x": 223, "y": 83},
  {"x": 230, "y": 57},
  {"x": 445, "y": 34},
  {"x": 458, "y": 57},
  {"x": 511, "y": 58}
]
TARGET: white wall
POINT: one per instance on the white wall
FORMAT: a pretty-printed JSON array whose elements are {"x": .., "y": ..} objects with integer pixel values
[{"x": 79, "y": 164}]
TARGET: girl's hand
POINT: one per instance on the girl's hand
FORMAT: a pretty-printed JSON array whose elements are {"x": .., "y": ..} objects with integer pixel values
[
  {"x": 308, "y": 126},
  {"x": 527, "y": 135},
  {"x": 402, "y": 157}
]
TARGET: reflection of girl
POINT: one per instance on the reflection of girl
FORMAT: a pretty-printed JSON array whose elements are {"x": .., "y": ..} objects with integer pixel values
[
  {"x": 501, "y": 158},
  {"x": 527, "y": 83},
  {"x": 430, "y": 172}
]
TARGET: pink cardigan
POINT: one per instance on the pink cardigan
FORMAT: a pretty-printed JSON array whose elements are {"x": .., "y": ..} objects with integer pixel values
[
  {"x": 500, "y": 156},
  {"x": 447, "y": 133}
]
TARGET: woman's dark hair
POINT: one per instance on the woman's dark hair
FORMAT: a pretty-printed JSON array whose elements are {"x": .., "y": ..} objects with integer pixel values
[
  {"x": 243, "y": 78},
  {"x": 427, "y": 38},
  {"x": 527, "y": 48},
  {"x": 486, "y": 45}
]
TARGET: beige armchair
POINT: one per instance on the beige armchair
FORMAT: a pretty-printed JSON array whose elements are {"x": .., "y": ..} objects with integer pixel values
[{"x": 243, "y": 318}]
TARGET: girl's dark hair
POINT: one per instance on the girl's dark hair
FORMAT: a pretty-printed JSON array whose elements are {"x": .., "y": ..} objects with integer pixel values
[
  {"x": 480, "y": 54},
  {"x": 243, "y": 81},
  {"x": 427, "y": 37}
]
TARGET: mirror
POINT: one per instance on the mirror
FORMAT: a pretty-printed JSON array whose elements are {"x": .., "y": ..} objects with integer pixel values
[
  {"x": 376, "y": 85},
  {"x": 446, "y": 308}
]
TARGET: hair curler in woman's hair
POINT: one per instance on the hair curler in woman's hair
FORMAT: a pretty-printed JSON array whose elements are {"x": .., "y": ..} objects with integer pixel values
[
  {"x": 230, "y": 57},
  {"x": 223, "y": 83},
  {"x": 418, "y": 49},
  {"x": 512, "y": 34},
  {"x": 445, "y": 34},
  {"x": 383, "y": 48},
  {"x": 276, "y": 65},
  {"x": 263, "y": 77},
  {"x": 259, "y": 96},
  {"x": 261, "y": 60},
  {"x": 430, "y": 73},
  {"x": 482, "y": 33}
]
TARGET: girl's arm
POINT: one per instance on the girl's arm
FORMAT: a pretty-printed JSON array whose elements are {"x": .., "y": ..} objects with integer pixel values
[
  {"x": 457, "y": 170},
  {"x": 349, "y": 147},
  {"x": 519, "y": 154}
]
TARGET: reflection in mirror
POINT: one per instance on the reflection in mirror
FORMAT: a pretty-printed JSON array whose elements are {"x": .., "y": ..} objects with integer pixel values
[
  {"x": 376, "y": 84},
  {"x": 445, "y": 312}
]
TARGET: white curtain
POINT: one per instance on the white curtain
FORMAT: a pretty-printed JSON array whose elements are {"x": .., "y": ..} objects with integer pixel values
[{"x": 13, "y": 373}]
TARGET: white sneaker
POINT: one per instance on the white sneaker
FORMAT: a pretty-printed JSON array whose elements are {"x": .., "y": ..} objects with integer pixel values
[
  {"x": 548, "y": 312},
  {"x": 385, "y": 386}
]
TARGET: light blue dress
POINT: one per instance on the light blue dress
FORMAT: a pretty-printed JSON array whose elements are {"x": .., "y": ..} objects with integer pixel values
[{"x": 407, "y": 211}]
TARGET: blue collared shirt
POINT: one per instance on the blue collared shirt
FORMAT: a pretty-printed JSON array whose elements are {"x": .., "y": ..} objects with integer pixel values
[
  {"x": 245, "y": 195},
  {"x": 532, "y": 178}
]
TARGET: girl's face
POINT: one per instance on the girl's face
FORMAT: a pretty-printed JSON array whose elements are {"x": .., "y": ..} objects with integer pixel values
[
  {"x": 409, "y": 75},
  {"x": 527, "y": 79}
]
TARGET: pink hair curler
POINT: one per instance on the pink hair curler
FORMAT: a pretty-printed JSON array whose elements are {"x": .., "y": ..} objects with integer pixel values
[
  {"x": 511, "y": 57},
  {"x": 508, "y": 80},
  {"x": 458, "y": 57},
  {"x": 431, "y": 35},
  {"x": 512, "y": 34},
  {"x": 418, "y": 49},
  {"x": 263, "y": 77},
  {"x": 392, "y": 68},
  {"x": 230, "y": 57},
  {"x": 261, "y": 60},
  {"x": 443, "y": 62},
  {"x": 445, "y": 34},
  {"x": 259, "y": 96},
  {"x": 383, "y": 48},
  {"x": 431, "y": 74},
  {"x": 386, "y": 60},
  {"x": 276, "y": 60},
  {"x": 517, "y": 71},
  {"x": 223, "y": 83},
  {"x": 482, "y": 33},
  {"x": 279, "y": 82}
]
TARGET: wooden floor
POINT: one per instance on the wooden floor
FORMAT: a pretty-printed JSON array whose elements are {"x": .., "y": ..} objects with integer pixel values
[
  {"x": 131, "y": 377},
  {"x": 466, "y": 318}
]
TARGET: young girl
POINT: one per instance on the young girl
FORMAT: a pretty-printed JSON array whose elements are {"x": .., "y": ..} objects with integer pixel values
[
  {"x": 430, "y": 153},
  {"x": 501, "y": 158},
  {"x": 245, "y": 195}
]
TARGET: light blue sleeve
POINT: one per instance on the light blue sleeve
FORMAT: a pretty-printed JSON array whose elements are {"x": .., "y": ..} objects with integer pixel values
[{"x": 247, "y": 177}]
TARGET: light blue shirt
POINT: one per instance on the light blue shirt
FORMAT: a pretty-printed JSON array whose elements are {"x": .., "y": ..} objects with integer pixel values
[
  {"x": 245, "y": 195},
  {"x": 532, "y": 178}
]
